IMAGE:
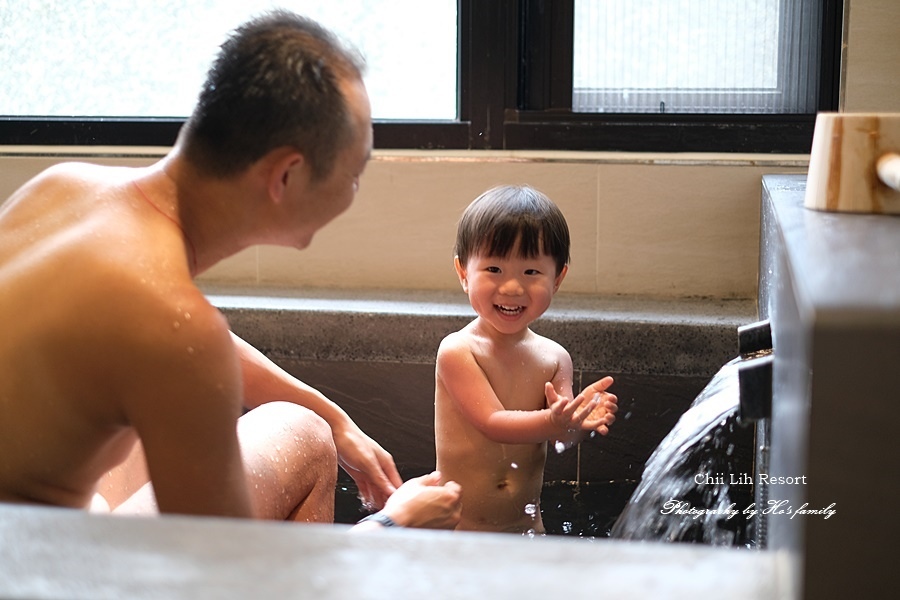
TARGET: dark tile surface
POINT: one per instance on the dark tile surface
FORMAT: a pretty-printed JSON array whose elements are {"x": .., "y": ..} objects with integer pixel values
[
  {"x": 375, "y": 358},
  {"x": 649, "y": 406},
  {"x": 394, "y": 404}
]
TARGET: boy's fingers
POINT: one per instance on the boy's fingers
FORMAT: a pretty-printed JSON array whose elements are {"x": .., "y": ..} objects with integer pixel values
[
  {"x": 589, "y": 408},
  {"x": 600, "y": 386}
]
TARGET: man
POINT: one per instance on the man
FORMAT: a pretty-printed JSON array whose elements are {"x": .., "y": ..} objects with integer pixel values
[{"x": 112, "y": 360}]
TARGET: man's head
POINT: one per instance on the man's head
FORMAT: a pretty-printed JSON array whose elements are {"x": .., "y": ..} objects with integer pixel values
[
  {"x": 277, "y": 81},
  {"x": 508, "y": 218}
]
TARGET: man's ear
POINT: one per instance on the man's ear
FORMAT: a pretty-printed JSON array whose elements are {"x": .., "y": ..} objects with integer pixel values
[
  {"x": 286, "y": 168},
  {"x": 461, "y": 273},
  {"x": 559, "y": 278}
]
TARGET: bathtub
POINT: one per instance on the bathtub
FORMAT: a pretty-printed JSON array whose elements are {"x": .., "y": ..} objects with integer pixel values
[{"x": 375, "y": 357}]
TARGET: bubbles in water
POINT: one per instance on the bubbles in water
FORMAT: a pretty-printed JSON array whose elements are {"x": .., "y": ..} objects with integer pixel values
[
  {"x": 567, "y": 527},
  {"x": 559, "y": 447},
  {"x": 530, "y": 509},
  {"x": 627, "y": 415}
]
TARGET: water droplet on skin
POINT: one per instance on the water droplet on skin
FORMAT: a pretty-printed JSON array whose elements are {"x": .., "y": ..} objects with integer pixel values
[
  {"x": 190, "y": 350},
  {"x": 530, "y": 509},
  {"x": 514, "y": 465},
  {"x": 559, "y": 447},
  {"x": 187, "y": 316},
  {"x": 176, "y": 325}
]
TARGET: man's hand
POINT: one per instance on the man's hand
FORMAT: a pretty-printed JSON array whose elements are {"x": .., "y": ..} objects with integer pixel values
[
  {"x": 425, "y": 502},
  {"x": 370, "y": 465}
]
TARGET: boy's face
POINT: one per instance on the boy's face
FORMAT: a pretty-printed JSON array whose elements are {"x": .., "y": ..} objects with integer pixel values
[{"x": 509, "y": 293}]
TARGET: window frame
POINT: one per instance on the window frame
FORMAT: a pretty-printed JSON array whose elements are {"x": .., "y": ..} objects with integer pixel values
[{"x": 515, "y": 93}]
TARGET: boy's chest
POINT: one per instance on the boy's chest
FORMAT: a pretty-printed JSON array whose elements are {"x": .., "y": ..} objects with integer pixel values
[{"x": 518, "y": 378}]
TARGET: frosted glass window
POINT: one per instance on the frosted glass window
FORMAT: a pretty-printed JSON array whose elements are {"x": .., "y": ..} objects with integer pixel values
[
  {"x": 696, "y": 56},
  {"x": 148, "y": 58}
]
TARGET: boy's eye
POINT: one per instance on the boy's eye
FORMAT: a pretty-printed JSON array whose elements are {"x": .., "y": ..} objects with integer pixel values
[
  {"x": 493, "y": 269},
  {"x": 532, "y": 272}
]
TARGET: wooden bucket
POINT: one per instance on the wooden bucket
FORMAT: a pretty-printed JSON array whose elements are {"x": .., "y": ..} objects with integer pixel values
[{"x": 854, "y": 165}]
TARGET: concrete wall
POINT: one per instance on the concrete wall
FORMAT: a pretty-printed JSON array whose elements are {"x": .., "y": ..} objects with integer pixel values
[
  {"x": 650, "y": 225},
  {"x": 871, "y": 63}
]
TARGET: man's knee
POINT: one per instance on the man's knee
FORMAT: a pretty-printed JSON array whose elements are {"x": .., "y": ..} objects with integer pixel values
[{"x": 302, "y": 427}]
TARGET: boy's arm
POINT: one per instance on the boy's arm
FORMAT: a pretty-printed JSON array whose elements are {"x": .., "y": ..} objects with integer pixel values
[
  {"x": 370, "y": 465},
  {"x": 469, "y": 388}
]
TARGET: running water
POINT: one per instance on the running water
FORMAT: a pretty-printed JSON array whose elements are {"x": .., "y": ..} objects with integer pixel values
[{"x": 687, "y": 491}]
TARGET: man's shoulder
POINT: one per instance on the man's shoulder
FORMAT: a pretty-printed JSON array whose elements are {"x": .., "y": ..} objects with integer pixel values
[
  {"x": 73, "y": 173},
  {"x": 164, "y": 333},
  {"x": 153, "y": 315}
]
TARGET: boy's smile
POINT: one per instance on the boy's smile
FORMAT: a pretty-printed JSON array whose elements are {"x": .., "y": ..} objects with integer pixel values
[
  {"x": 511, "y": 311},
  {"x": 509, "y": 293}
]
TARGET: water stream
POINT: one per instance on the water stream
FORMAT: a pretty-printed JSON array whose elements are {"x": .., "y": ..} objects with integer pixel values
[{"x": 695, "y": 487}]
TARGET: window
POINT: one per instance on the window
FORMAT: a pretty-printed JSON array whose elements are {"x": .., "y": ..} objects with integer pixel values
[
  {"x": 696, "y": 56},
  {"x": 516, "y": 79},
  {"x": 107, "y": 58}
]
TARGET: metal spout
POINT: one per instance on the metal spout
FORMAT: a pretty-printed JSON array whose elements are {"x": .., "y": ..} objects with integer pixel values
[
  {"x": 754, "y": 338},
  {"x": 755, "y": 385}
]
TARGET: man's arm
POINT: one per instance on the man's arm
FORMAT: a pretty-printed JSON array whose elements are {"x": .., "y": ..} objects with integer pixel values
[
  {"x": 365, "y": 460},
  {"x": 181, "y": 390}
]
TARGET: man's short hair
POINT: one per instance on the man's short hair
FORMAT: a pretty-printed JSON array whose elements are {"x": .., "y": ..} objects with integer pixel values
[{"x": 275, "y": 82}]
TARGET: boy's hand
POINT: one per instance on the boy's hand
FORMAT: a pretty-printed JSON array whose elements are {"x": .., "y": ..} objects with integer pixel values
[
  {"x": 604, "y": 413},
  {"x": 591, "y": 410}
]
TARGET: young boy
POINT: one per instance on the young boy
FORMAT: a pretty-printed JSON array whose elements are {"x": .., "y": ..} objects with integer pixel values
[{"x": 502, "y": 391}]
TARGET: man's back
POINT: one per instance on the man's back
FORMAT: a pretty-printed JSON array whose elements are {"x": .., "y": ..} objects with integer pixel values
[{"x": 90, "y": 287}]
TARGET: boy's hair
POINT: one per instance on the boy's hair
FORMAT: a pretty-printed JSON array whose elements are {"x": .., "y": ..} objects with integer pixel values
[
  {"x": 503, "y": 216},
  {"x": 275, "y": 82}
]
